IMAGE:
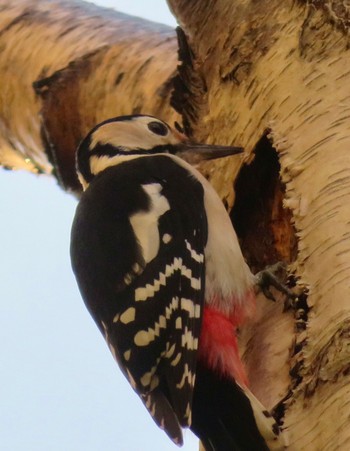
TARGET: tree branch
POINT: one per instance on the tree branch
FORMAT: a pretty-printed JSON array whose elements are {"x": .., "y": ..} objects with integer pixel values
[{"x": 86, "y": 64}]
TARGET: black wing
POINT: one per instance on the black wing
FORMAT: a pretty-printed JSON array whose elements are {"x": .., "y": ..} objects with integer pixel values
[{"x": 151, "y": 312}]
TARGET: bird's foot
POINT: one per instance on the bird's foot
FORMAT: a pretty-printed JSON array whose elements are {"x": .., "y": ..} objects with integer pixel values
[{"x": 271, "y": 277}]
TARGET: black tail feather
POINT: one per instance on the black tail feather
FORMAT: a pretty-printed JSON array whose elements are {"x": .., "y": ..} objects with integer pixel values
[{"x": 223, "y": 416}]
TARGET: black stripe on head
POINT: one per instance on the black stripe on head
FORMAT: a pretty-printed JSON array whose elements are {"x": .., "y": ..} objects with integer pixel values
[
  {"x": 111, "y": 151},
  {"x": 83, "y": 159}
]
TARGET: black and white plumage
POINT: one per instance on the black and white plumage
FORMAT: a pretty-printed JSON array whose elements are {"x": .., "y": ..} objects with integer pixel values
[{"x": 160, "y": 270}]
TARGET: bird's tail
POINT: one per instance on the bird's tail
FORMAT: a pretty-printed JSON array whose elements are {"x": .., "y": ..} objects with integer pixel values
[{"x": 227, "y": 417}]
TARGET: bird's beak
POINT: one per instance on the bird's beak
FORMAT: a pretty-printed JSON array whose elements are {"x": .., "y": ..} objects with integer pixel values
[{"x": 195, "y": 153}]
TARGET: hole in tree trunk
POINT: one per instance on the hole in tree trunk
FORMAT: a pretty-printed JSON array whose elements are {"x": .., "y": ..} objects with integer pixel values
[{"x": 263, "y": 226}]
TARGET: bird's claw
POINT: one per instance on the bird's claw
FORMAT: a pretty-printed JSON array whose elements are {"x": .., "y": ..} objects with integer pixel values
[{"x": 268, "y": 278}]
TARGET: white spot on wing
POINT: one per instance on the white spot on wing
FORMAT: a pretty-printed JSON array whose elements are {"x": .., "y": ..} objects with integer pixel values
[
  {"x": 111, "y": 348},
  {"x": 171, "y": 307},
  {"x": 144, "y": 337},
  {"x": 176, "y": 360},
  {"x": 166, "y": 238},
  {"x": 148, "y": 402},
  {"x": 153, "y": 410},
  {"x": 169, "y": 352},
  {"x": 188, "y": 341},
  {"x": 154, "y": 382},
  {"x": 131, "y": 379},
  {"x": 194, "y": 311},
  {"x": 199, "y": 258},
  {"x": 137, "y": 268},
  {"x": 186, "y": 376},
  {"x": 128, "y": 279},
  {"x": 145, "y": 223},
  {"x": 104, "y": 327},
  {"x": 148, "y": 291},
  {"x": 127, "y": 355},
  {"x": 188, "y": 414},
  {"x": 147, "y": 377},
  {"x": 144, "y": 293},
  {"x": 178, "y": 323},
  {"x": 128, "y": 316},
  {"x": 195, "y": 283}
]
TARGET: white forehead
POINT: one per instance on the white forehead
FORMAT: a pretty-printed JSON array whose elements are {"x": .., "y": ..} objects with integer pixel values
[{"x": 131, "y": 134}]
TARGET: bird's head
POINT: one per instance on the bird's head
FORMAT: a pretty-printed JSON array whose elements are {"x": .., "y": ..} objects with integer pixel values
[{"x": 126, "y": 137}]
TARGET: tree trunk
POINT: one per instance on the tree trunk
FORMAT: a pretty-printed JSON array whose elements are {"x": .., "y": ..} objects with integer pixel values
[
  {"x": 271, "y": 76},
  {"x": 280, "y": 70}
]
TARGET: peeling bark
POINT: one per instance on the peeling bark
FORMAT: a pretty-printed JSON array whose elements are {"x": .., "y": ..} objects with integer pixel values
[{"x": 270, "y": 76}]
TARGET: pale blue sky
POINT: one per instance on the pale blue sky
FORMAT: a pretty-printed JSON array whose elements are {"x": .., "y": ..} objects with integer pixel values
[{"x": 60, "y": 389}]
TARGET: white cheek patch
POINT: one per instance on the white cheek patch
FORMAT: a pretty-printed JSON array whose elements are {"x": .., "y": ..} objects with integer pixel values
[
  {"x": 145, "y": 223},
  {"x": 102, "y": 162}
]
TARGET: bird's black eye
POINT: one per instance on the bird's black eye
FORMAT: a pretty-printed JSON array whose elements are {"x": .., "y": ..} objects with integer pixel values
[{"x": 158, "y": 128}]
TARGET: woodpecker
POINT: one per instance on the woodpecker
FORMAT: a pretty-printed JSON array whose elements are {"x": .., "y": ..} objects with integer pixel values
[{"x": 160, "y": 269}]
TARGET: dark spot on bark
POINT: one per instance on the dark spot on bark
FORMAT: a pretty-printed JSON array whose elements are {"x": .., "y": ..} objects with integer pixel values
[
  {"x": 166, "y": 88},
  {"x": 143, "y": 66},
  {"x": 276, "y": 428},
  {"x": 295, "y": 371},
  {"x": 238, "y": 73},
  {"x": 24, "y": 17},
  {"x": 67, "y": 31},
  {"x": 119, "y": 78},
  {"x": 298, "y": 347},
  {"x": 41, "y": 85},
  {"x": 278, "y": 411}
]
